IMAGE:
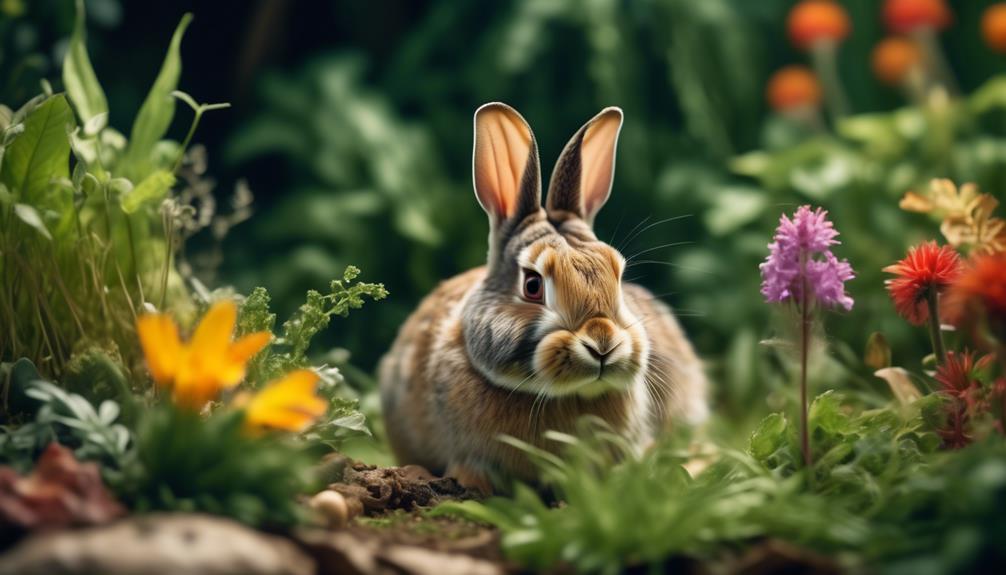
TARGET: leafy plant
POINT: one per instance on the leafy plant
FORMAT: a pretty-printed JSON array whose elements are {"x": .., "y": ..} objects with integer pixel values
[
  {"x": 67, "y": 418},
  {"x": 622, "y": 510},
  {"x": 185, "y": 462},
  {"x": 84, "y": 240},
  {"x": 290, "y": 350}
]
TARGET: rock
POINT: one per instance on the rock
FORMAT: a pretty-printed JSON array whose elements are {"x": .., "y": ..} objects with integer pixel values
[
  {"x": 422, "y": 561},
  {"x": 59, "y": 492},
  {"x": 159, "y": 544},
  {"x": 348, "y": 553}
]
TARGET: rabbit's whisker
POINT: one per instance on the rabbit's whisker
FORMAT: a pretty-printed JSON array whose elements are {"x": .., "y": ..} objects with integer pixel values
[
  {"x": 657, "y": 223},
  {"x": 623, "y": 244},
  {"x": 655, "y": 248}
]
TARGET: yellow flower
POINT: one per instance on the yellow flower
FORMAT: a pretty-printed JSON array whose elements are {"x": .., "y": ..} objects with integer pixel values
[
  {"x": 288, "y": 403},
  {"x": 196, "y": 372},
  {"x": 967, "y": 215}
]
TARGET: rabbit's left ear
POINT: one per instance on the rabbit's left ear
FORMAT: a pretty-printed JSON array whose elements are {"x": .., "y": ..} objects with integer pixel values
[{"x": 581, "y": 180}]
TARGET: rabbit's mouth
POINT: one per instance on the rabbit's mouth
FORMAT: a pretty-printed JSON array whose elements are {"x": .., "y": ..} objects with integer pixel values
[{"x": 574, "y": 364}]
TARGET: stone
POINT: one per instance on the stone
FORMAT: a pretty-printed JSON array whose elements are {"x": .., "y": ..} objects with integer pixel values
[{"x": 158, "y": 544}]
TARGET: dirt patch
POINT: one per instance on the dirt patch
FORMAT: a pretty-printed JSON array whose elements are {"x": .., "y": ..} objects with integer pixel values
[
  {"x": 383, "y": 489},
  {"x": 391, "y": 531}
]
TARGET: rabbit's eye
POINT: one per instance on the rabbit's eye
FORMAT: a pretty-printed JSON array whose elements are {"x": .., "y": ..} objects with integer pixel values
[{"x": 534, "y": 287}]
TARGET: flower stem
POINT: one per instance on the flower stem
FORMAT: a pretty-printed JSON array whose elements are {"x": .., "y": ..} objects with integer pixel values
[
  {"x": 932, "y": 301},
  {"x": 804, "y": 349},
  {"x": 825, "y": 59}
]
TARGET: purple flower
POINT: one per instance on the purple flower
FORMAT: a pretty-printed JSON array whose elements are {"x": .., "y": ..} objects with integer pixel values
[{"x": 801, "y": 255}]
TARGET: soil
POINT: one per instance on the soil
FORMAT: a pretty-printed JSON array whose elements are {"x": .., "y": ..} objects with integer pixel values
[{"x": 389, "y": 507}]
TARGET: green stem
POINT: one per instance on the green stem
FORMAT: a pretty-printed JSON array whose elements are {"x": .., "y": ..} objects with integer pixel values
[
  {"x": 804, "y": 304},
  {"x": 935, "y": 58},
  {"x": 932, "y": 301},
  {"x": 825, "y": 58},
  {"x": 188, "y": 139},
  {"x": 804, "y": 352}
]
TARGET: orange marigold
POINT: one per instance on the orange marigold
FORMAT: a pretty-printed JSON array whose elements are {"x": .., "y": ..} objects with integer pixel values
[
  {"x": 894, "y": 58},
  {"x": 994, "y": 27},
  {"x": 793, "y": 87},
  {"x": 811, "y": 21}
]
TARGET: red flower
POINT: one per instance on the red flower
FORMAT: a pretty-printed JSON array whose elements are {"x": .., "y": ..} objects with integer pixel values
[
  {"x": 980, "y": 292},
  {"x": 927, "y": 268},
  {"x": 958, "y": 377},
  {"x": 958, "y": 374},
  {"x": 902, "y": 16}
]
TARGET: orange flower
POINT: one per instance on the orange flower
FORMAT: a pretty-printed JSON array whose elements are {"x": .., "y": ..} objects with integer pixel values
[
  {"x": 994, "y": 27},
  {"x": 979, "y": 294},
  {"x": 926, "y": 269},
  {"x": 894, "y": 58},
  {"x": 793, "y": 87},
  {"x": 812, "y": 21},
  {"x": 196, "y": 372},
  {"x": 288, "y": 403},
  {"x": 903, "y": 16}
]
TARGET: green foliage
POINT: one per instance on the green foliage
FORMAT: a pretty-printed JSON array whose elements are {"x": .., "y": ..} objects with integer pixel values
[
  {"x": 290, "y": 350},
  {"x": 38, "y": 150},
  {"x": 186, "y": 462},
  {"x": 876, "y": 475},
  {"x": 84, "y": 238},
  {"x": 154, "y": 117},
  {"x": 56, "y": 415},
  {"x": 79, "y": 77}
]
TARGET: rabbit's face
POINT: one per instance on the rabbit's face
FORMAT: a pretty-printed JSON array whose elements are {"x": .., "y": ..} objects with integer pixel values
[
  {"x": 588, "y": 342},
  {"x": 553, "y": 321}
]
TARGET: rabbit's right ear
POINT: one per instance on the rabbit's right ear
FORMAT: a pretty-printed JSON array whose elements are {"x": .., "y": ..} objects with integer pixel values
[{"x": 505, "y": 166}]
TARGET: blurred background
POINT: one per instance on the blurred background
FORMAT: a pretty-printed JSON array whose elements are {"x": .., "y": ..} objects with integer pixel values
[{"x": 351, "y": 125}]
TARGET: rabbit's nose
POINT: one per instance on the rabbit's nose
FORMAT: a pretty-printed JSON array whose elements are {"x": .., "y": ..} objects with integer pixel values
[{"x": 598, "y": 352}]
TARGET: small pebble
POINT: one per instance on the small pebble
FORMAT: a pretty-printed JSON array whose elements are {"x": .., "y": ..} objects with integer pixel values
[{"x": 331, "y": 505}]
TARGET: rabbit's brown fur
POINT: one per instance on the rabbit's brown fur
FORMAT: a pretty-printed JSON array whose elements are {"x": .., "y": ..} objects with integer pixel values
[{"x": 478, "y": 359}]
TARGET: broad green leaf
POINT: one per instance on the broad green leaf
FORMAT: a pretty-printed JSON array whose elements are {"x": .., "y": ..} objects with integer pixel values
[
  {"x": 151, "y": 189},
  {"x": 826, "y": 413},
  {"x": 41, "y": 152},
  {"x": 29, "y": 215},
  {"x": 154, "y": 117},
  {"x": 78, "y": 76},
  {"x": 768, "y": 437}
]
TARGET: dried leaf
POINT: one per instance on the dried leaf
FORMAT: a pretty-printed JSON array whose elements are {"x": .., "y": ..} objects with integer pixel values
[{"x": 901, "y": 384}]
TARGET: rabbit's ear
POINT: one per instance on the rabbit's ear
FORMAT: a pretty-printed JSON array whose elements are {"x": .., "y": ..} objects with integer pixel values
[
  {"x": 581, "y": 180},
  {"x": 505, "y": 166}
]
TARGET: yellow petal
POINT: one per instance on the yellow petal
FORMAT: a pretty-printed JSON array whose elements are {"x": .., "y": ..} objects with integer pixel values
[
  {"x": 213, "y": 335},
  {"x": 913, "y": 202},
  {"x": 161, "y": 346},
  {"x": 245, "y": 348},
  {"x": 289, "y": 403}
]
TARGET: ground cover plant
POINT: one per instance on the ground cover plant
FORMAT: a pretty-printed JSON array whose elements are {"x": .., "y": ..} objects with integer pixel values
[{"x": 843, "y": 272}]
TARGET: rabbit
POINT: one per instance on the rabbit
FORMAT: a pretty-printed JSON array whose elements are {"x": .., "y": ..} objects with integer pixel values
[{"x": 543, "y": 334}]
